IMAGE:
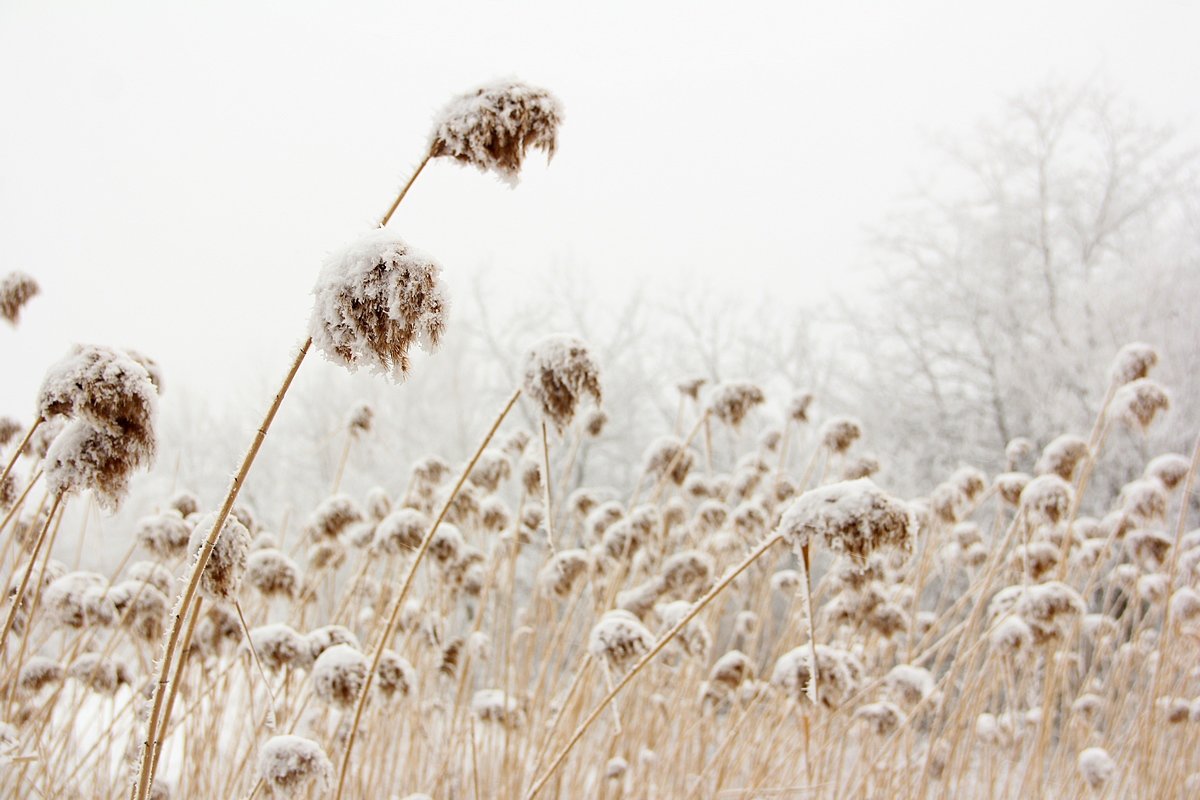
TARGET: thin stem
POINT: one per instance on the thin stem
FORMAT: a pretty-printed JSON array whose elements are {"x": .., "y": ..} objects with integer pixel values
[
  {"x": 155, "y": 725},
  {"x": 540, "y": 783},
  {"x": 21, "y": 447},
  {"x": 403, "y": 191},
  {"x": 20, "y": 595},
  {"x": 398, "y": 602},
  {"x": 549, "y": 515}
]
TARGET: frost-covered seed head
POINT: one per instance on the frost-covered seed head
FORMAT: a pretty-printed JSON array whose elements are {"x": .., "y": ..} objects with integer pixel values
[
  {"x": 839, "y": 674},
  {"x": 107, "y": 389},
  {"x": 492, "y": 127},
  {"x": 731, "y": 670},
  {"x": 562, "y": 573},
  {"x": 339, "y": 675},
  {"x": 84, "y": 457},
  {"x": 798, "y": 407},
  {"x": 222, "y": 577},
  {"x": 492, "y": 469},
  {"x": 1133, "y": 362},
  {"x": 331, "y": 517},
  {"x": 851, "y": 517},
  {"x": 882, "y": 718},
  {"x": 375, "y": 299},
  {"x": 1047, "y": 499},
  {"x": 1061, "y": 456},
  {"x": 731, "y": 401},
  {"x": 361, "y": 419},
  {"x": 395, "y": 676},
  {"x": 325, "y": 637},
  {"x": 446, "y": 545},
  {"x": 1169, "y": 469},
  {"x": 37, "y": 673},
  {"x": 668, "y": 458},
  {"x": 691, "y": 387},
  {"x": 289, "y": 765},
  {"x": 280, "y": 647},
  {"x": 16, "y": 290},
  {"x": 839, "y": 433},
  {"x": 272, "y": 573},
  {"x": 688, "y": 574},
  {"x": 1139, "y": 402},
  {"x": 559, "y": 372},
  {"x": 860, "y": 467},
  {"x": 1144, "y": 500},
  {"x": 401, "y": 531},
  {"x": 493, "y": 705},
  {"x": 620, "y": 639},
  {"x": 165, "y": 534},
  {"x": 1009, "y": 486},
  {"x": 594, "y": 422},
  {"x": 1096, "y": 767},
  {"x": 909, "y": 684}
]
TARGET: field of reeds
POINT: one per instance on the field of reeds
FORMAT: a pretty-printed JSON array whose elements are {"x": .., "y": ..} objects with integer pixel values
[{"x": 784, "y": 628}]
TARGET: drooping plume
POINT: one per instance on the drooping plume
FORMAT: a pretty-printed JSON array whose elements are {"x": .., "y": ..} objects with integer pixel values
[
  {"x": 374, "y": 300},
  {"x": 559, "y": 371},
  {"x": 16, "y": 290},
  {"x": 493, "y": 127}
]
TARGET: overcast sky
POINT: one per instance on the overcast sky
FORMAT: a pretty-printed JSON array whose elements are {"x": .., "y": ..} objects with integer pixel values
[{"x": 173, "y": 173}]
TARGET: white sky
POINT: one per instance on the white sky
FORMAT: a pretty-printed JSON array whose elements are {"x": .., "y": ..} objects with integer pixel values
[{"x": 173, "y": 173}]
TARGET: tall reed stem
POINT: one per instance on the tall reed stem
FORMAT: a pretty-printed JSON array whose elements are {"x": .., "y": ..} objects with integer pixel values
[
  {"x": 540, "y": 783},
  {"x": 155, "y": 726},
  {"x": 398, "y": 603}
]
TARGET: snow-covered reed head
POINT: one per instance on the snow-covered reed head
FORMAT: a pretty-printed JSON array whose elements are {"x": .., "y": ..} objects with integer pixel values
[
  {"x": 222, "y": 577},
  {"x": 493, "y": 705},
  {"x": 691, "y": 387},
  {"x": 563, "y": 572},
  {"x": 331, "y": 517},
  {"x": 290, "y": 765},
  {"x": 1047, "y": 499},
  {"x": 401, "y": 531},
  {"x": 839, "y": 433},
  {"x": 272, "y": 573},
  {"x": 395, "y": 676},
  {"x": 1096, "y": 767},
  {"x": 852, "y": 517},
  {"x": 493, "y": 127},
  {"x": 165, "y": 535},
  {"x": 339, "y": 674},
  {"x": 731, "y": 401},
  {"x": 112, "y": 405},
  {"x": 1061, "y": 456},
  {"x": 1132, "y": 362},
  {"x": 375, "y": 299},
  {"x": 668, "y": 457},
  {"x": 280, "y": 647},
  {"x": 1138, "y": 402},
  {"x": 361, "y": 419},
  {"x": 619, "y": 639},
  {"x": 798, "y": 407},
  {"x": 104, "y": 387},
  {"x": 559, "y": 372},
  {"x": 839, "y": 674},
  {"x": 16, "y": 289}
]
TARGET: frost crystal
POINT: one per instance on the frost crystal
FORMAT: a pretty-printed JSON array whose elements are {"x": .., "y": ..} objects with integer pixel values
[
  {"x": 374, "y": 300},
  {"x": 493, "y": 126}
]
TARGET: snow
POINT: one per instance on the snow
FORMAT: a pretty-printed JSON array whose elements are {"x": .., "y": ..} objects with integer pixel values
[{"x": 1096, "y": 767}]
